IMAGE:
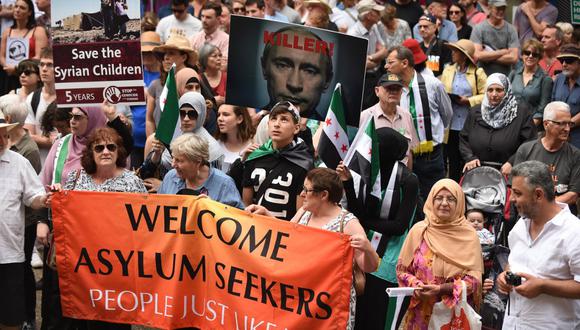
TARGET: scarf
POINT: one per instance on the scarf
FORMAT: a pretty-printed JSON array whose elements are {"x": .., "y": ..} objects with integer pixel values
[
  {"x": 76, "y": 145},
  {"x": 502, "y": 114},
  {"x": 454, "y": 243},
  {"x": 183, "y": 77},
  {"x": 296, "y": 153}
]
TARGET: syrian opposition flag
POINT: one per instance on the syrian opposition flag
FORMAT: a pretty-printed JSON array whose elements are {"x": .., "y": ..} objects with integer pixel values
[
  {"x": 399, "y": 299},
  {"x": 333, "y": 144},
  {"x": 169, "y": 109},
  {"x": 363, "y": 160}
]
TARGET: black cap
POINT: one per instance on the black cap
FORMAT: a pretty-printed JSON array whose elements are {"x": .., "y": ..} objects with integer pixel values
[{"x": 389, "y": 79}]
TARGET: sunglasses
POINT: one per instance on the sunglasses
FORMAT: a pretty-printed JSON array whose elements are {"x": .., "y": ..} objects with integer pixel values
[
  {"x": 568, "y": 60},
  {"x": 77, "y": 117},
  {"x": 239, "y": 10},
  {"x": 454, "y": 12},
  {"x": 98, "y": 148},
  {"x": 192, "y": 114},
  {"x": 530, "y": 53}
]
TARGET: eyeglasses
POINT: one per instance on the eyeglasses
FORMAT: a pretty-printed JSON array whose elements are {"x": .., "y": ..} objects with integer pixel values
[
  {"x": 306, "y": 190},
  {"x": 98, "y": 148},
  {"x": 563, "y": 123},
  {"x": 530, "y": 53},
  {"x": 568, "y": 60},
  {"x": 192, "y": 114},
  {"x": 28, "y": 72},
  {"x": 239, "y": 10},
  {"x": 450, "y": 199},
  {"x": 424, "y": 26},
  {"x": 77, "y": 117},
  {"x": 46, "y": 64}
]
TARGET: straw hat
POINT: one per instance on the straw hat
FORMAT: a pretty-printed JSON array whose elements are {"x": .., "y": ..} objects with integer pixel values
[
  {"x": 178, "y": 42},
  {"x": 149, "y": 40},
  {"x": 569, "y": 50},
  {"x": 466, "y": 47},
  {"x": 322, "y": 3},
  {"x": 3, "y": 122}
]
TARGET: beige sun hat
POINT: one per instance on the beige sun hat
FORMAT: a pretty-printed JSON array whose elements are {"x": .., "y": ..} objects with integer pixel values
[
  {"x": 466, "y": 47},
  {"x": 179, "y": 42},
  {"x": 323, "y": 3},
  {"x": 149, "y": 40},
  {"x": 3, "y": 123}
]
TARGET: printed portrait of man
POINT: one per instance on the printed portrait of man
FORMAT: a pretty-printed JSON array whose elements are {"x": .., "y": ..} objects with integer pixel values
[{"x": 296, "y": 70}]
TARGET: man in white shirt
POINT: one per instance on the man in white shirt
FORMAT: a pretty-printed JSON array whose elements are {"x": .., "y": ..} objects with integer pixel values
[
  {"x": 19, "y": 186},
  {"x": 181, "y": 22},
  {"x": 545, "y": 253}
]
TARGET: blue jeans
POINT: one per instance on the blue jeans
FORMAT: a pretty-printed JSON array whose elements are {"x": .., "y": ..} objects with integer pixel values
[{"x": 429, "y": 168}]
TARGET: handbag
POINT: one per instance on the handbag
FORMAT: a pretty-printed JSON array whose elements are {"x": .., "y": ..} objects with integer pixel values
[
  {"x": 460, "y": 317},
  {"x": 358, "y": 276}
]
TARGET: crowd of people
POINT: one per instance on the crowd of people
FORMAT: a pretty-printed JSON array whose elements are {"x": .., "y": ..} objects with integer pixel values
[{"x": 451, "y": 87}]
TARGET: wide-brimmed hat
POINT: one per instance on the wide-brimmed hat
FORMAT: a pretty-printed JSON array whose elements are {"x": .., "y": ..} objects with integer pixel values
[
  {"x": 149, "y": 40},
  {"x": 367, "y": 5},
  {"x": 323, "y": 3},
  {"x": 3, "y": 122},
  {"x": 465, "y": 46},
  {"x": 569, "y": 50},
  {"x": 178, "y": 42},
  {"x": 418, "y": 53}
]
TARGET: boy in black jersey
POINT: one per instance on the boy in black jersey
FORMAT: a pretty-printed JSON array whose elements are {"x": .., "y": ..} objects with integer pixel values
[{"x": 274, "y": 173}]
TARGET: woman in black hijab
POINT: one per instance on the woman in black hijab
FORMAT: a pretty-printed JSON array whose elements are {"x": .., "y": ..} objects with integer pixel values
[{"x": 386, "y": 223}]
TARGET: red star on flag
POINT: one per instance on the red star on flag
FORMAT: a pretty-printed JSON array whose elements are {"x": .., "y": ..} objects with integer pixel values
[
  {"x": 328, "y": 121},
  {"x": 336, "y": 135},
  {"x": 376, "y": 239},
  {"x": 343, "y": 148}
]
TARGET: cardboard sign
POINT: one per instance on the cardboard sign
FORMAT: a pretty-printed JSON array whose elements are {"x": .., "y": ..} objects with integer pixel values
[
  {"x": 97, "y": 53},
  {"x": 171, "y": 261},
  {"x": 270, "y": 61}
]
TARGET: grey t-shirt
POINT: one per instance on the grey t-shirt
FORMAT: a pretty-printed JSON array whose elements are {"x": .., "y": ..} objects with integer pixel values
[{"x": 495, "y": 38}]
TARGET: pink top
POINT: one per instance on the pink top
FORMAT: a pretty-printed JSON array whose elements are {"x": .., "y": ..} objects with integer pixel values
[{"x": 219, "y": 38}]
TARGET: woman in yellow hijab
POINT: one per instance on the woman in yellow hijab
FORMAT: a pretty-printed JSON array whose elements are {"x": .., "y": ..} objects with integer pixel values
[{"x": 438, "y": 254}]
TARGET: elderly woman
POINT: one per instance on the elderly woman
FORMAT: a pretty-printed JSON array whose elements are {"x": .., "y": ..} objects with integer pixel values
[
  {"x": 530, "y": 84},
  {"x": 390, "y": 220},
  {"x": 438, "y": 254},
  {"x": 191, "y": 171},
  {"x": 322, "y": 192},
  {"x": 494, "y": 130},
  {"x": 467, "y": 82},
  {"x": 210, "y": 63},
  {"x": 393, "y": 30},
  {"x": 25, "y": 27}
]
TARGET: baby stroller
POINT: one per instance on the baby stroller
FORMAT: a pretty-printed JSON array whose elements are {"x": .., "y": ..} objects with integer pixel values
[{"x": 486, "y": 189}]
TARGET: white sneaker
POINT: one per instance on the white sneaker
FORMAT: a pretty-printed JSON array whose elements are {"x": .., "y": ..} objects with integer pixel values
[{"x": 36, "y": 261}]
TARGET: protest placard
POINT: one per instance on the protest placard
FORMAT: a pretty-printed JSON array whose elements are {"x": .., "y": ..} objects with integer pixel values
[
  {"x": 271, "y": 61},
  {"x": 97, "y": 53},
  {"x": 17, "y": 49},
  {"x": 171, "y": 261}
]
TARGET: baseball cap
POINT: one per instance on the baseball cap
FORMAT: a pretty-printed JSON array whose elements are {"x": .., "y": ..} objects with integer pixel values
[
  {"x": 367, "y": 5},
  {"x": 429, "y": 18},
  {"x": 389, "y": 79},
  {"x": 418, "y": 53},
  {"x": 286, "y": 106}
]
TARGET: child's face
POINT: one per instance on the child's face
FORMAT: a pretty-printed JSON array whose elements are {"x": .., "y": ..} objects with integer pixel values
[{"x": 476, "y": 220}]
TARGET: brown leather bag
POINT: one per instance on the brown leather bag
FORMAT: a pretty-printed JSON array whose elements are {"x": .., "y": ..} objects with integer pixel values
[{"x": 358, "y": 276}]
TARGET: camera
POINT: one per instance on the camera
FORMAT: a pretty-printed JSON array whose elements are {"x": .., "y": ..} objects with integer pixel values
[{"x": 513, "y": 279}]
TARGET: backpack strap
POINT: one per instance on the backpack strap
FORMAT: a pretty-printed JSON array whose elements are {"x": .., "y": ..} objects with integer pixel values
[{"x": 35, "y": 100}]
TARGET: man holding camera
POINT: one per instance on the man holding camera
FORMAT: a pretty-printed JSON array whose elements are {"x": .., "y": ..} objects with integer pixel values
[{"x": 543, "y": 275}]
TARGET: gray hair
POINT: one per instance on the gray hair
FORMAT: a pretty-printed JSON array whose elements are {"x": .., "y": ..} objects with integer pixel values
[
  {"x": 565, "y": 27},
  {"x": 17, "y": 112},
  {"x": 403, "y": 53},
  {"x": 536, "y": 175},
  {"x": 191, "y": 146},
  {"x": 204, "y": 53},
  {"x": 7, "y": 99},
  {"x": 559, "y": 35},
  {"x": 552, "y": 107}
]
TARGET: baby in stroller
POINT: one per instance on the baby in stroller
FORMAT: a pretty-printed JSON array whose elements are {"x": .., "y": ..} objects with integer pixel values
[{"x": 477, "y": 219}]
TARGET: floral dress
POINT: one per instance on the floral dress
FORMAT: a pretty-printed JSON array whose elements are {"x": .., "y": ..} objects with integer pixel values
[
  {"x": 334, "y": 225},
  {"x": 420, "y": 272},
  {"x": 125, "y": 182}
]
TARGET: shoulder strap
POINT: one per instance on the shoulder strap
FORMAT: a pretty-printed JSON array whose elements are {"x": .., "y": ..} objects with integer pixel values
[
  {"x": 35, "y": 100},
  {"x": 342, "y": 215},
  {"x": 60, "y": 159},
  {"x": 425, "y": 105}
]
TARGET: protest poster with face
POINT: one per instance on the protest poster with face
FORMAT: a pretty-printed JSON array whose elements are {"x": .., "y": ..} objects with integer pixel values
[
  {"x": 270, "y": 61},
  {"x": 97, "y": 53}
]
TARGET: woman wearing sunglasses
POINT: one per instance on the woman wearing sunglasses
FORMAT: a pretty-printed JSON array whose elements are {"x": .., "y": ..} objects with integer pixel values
[
  {"x": 28, "y": 75},
  {"x": 530, "y": 84},
  {"x": 192, "y": 113}
]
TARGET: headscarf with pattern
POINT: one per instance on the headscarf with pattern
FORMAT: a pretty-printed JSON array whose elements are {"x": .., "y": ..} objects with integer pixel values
[{"x": 502, "y": 114}]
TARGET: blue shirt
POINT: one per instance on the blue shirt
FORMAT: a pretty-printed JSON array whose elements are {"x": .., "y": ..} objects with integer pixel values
[
  {"x": 277, "y": 17},
  {"x": 460, "y": 87},
  {"x": 220, "y": 187},
  {"x": 562, "y": 92},
  {"x": 447, "y": 32}
]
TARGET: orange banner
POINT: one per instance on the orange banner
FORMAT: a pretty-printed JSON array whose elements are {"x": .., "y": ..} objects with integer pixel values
[{"x": 170, "y": 261}]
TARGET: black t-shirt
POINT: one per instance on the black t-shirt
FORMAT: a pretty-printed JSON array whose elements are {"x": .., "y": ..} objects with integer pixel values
[
  {"x": 438, "y": 55},
  {"x": 284, "y": 184}
]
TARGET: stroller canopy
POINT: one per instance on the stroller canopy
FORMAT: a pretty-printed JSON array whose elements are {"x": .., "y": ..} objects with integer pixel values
[{"x": 485, "y": 189}]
